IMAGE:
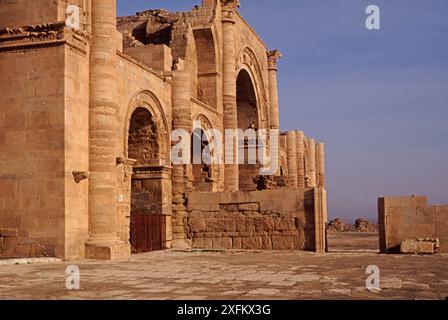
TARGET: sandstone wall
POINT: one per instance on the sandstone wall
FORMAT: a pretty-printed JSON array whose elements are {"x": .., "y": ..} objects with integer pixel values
[
  {"x": 32, "y": 170},
  {"x": 245, "y": 36},
  {"x": 43, "y": 141},
  {"x": 404, "y": 218},
  {"x": 157, "y": 57},
  {"x": 76, "y": 145},
  {"x": 138, "y": 86},
  {"x": 15, "y": 13},
  {"x": 277, "y": 219}
]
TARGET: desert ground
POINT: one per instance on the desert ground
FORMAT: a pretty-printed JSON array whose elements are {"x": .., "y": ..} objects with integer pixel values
[{"x": 191, "y": 275}]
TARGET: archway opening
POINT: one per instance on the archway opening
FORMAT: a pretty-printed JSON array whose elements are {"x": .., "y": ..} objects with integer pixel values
[
  {"x": 202, "y": 171},
  {"x": 248, "y": 122},
  {"x": 147, "y": 227},
  {"x": 143, "y": 142}
]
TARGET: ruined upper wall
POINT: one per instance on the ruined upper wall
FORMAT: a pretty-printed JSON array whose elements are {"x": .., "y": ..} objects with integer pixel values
[
  {"x": 17, "y": 13},
  {"x": 156, "y": 27}
]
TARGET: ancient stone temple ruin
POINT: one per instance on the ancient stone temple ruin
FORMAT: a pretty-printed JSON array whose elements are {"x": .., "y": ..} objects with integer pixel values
[{"x": 86, "y": 135}]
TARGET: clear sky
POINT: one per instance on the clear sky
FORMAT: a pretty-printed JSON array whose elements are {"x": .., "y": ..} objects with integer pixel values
[{"x": 378, "y": 99}]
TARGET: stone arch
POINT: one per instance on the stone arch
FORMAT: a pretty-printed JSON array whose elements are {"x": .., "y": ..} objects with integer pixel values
[
  {"x": 143, "y": 143},
  {"x": 147, "y": 141},
  {"x": 248, "y": 110},
  {"x": 147, "y": 100},
  {"x": 206, "y": 124},
  {"x": 207, "y": 65},
  {"x": 204, "y": 175},
  {"x": 248, "y": 117},
  {"x": 248, "y": 61}
]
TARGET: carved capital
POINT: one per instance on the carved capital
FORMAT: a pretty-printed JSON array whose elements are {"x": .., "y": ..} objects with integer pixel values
[
  {"x": 273, "y": 57},
  {"x": 230, "y": 4}
]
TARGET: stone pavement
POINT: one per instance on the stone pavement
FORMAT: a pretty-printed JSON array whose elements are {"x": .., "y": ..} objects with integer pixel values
[{"x": 233, "y": 275}]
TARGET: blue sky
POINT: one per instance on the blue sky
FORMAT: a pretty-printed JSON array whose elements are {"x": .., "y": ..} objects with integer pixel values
[{"x": 378, "y": 99}]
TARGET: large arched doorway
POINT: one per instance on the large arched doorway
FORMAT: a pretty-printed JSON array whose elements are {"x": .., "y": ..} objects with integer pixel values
[
  {"x": 147, "y": 230},
  {"x": 248, "y": 118}
]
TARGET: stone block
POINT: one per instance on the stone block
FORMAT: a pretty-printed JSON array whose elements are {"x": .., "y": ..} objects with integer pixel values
[
  {"x": 282, "y": 243},
  {"x": 250, "y": 225},
  {"x": 289, "y": 206},
  {"x": 231, "y": 234},
  {"x": 299, "y": 241},
  {"x": 229, "y": 225},
  {"x": 271, "y": 205},
  {"x": 236, "y": 243},
  {"x": 229, "y": 207},
  {"x": 9, "y": 232},
  {"x": 268, "y": 223},
  {"x": 197, "y": 224},
  {"x": 419, "y": 246},
  {"x": 222, "y": 243},
  {"x": 284, "y": 224},
  {"x": 211, "y": 235},
  {"x": 249, "y": 207},
  {"x": 252, "y": 243},
  {"x": 197, "y": 243},
  {"x": 240, "y": 224},
  {"x": 267, "y": 243}
]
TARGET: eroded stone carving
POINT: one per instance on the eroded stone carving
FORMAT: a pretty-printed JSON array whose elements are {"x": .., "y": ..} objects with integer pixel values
[
  {"x": 230, "y": 4},
  {"x": 273, "y": 57},
  {"x": 81, "y": 175}
]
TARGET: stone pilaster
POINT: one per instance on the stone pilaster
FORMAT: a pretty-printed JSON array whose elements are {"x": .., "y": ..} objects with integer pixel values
[
  {"x": 300, "y": 159},
  {"x": 124, "y": 179},
  {"x": 291, "y": 154},
  {"x": 320, "y": 220},
  {"x": 181, "y": 104},
  {"x": 311, "y": 168},
  {"x": 273, "y": 57},
  {"x": 321, "y": 165},
  {"x": 231, "y": 181},
  {"x": 103, "y": 242}
]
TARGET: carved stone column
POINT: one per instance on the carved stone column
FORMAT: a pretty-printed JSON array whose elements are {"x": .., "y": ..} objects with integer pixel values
[
  {"x": 321, "y": 165},
  {"x": 311, "y": 169},
  {"x": 300, "y": 159},
  {"x": 291, "y": 154},
  {"x": 273, "y": 57},
  {"x": 181, "y": 101},
  {"x": 231, "y": 181},
  {"x": 103, "y": 242}
]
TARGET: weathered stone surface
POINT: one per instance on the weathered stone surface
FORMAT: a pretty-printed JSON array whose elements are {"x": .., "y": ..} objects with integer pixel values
[
  {"x": 404, "y": 218},
  {"x": 85, "y": 139},
  {"x": 197, "y": 224},
  {"x": 222, "y": 243},
  {"x": 420, "y": 246},
  {"x": 250, "y": 229},
  {"x": 8, "y": 232},
  {"x": 252, "y": 243},
  {"x": 249, "y": 207}
]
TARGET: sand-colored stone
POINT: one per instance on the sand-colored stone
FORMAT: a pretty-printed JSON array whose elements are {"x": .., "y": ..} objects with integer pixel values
[
  {"x": 85, "y": 131},
  {"x": 411, "y": 218}
]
